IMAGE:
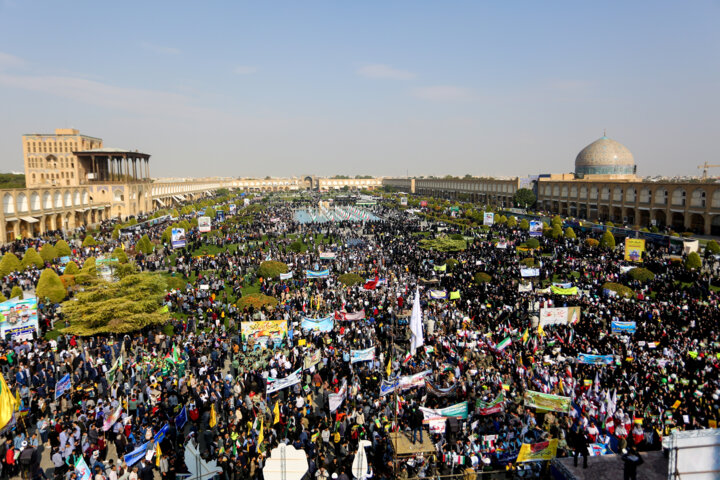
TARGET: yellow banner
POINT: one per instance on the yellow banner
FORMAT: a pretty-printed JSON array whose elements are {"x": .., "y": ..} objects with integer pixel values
[
  {"x": 634, "y": 249},
  {"x": 564, "y": 291},
  {"x": 536, "y": 452},
  {"x": 546, "y": 401}
]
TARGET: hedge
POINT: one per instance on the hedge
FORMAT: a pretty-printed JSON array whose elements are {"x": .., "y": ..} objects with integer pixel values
[
  {"x": 9, "y": 263},
  {"x": 350, "y": 279},
  {"x": 621, "y": 290},
  {"x": 89, "y": 241},
  {"x": 713, "y": 247},
  {"x": 271, "y": 269},
  {"x": 48, "y": 253},
  {"x": 607, "y": 240},
  {"x": 641, "y": 274},
  {"x": 31, "y": 257},
  {"x": 693, "y": 261},
  {"x": 257, "y": 301},
  {"x": 482, "y": 277},
  {"x": 50, "y": 286},
  {"x": 63, "y": 249}
]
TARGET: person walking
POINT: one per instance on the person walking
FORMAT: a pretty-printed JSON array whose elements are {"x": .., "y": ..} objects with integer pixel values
[
  {"x": 580, "y": 445},
  {"x": 631, "y": 460}
]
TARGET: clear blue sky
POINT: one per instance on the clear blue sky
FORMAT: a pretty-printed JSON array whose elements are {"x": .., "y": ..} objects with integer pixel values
[{"x": 366, "y": 87}]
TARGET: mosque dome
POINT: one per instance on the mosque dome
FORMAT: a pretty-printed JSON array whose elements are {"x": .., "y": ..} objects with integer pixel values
[{"x": 605, "y": 157}]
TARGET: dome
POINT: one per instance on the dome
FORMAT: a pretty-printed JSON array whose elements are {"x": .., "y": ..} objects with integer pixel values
[{"x": 605, "y": 157}]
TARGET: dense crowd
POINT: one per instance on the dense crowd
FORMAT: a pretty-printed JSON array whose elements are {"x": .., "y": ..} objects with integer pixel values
[{"x": 201, "y": 382}]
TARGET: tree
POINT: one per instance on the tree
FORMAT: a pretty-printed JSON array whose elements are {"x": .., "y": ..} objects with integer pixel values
[
  {"x": 63, "y": 249},
  {"x": 641, "y": 274},
  {"x": 713, "y": 247},
  {"x": 16, "y": 292},
  {"x": 145, "y": 245},
  {"x": 693, "y": 261},
  {"x": 210, "y": 212},
  {"x": 9, "y": 263},
  {"x": 524, "y": 225},
  {"x": 524, "y": 198},
  {"x": 71, "y": 268},
  {"x": 533, "y": 243},
  {"x": 570, "y": 233},
  {"x": 2, "y": 298},
  {"x": 557, "y": 220},
  {"x": 50, "y": 286},
  {"x": 557, "y": 231},
  {"x": 512, "y": 222},
  {"x": 607, "y": 240},
  {"x": 89, "y": 241},
  {"x": 120, "y": 254},
  {"x": 127, "y": 305},
  {"x": 482, "y": 277},
  {"x": 116, "y": 232},
  {"x": 48, "y": 253},
  {"x": 31, "y": 257}
]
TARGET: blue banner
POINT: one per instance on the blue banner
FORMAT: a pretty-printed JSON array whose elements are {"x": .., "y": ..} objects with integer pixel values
[
  {"x": 318, "y": 324},
  {"x": 160, "y": 435},
  {"x": 623, "y": 327},
  {"x": 362, "y": 355},
  {"x": 181, "y": 419},
  {"x": 387, "y": 387},
  {"x": 589, "y": 359},
  {"x": 318, "y": 274},
  {"x": 136, "y": 455},
  {"x": 62, "y": 386}
]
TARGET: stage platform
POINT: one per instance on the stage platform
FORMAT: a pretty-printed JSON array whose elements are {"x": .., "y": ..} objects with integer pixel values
[
  {"x": 610, "y": 467},
  {"x": 403, "y": 446}
]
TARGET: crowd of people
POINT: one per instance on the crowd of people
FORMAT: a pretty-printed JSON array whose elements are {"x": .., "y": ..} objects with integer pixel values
[{"x": 461, "y": 403}]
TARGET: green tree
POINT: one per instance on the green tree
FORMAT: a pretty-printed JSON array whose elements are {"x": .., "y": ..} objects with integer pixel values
[
  {"x": 570, "y": 233},
  {"x": 144, "y": 245},
  {"x": 30, "y": 258},
  {"x": 71, "y": 268},
  {"x": 116, "y": 232},
  {"x": 127, "y": 305},
  {"x": 641, "y": 274},
  {"x": 167, "y": 234},
  {"x": 210, "y": 212},
  {"x": 2, "y": 298},
  {"x": 512, "y": 222},
  {"x": 524, "y": 225},
  {"x": 16, "y": 292},
  {"x": 9, "y": 263},
  {"x": 557, "y": 231},
  {"x": 607, "y": 240},
  {"x": 48, "y": 253},
  {"x": 120, "y": 254},
  {"x": 524, "y": 198},
  {"x": 89, "y": 241},
  {"x": 693, "y": 261},
  {"x": 350, "y": 279},
  {"x": 713, "y": 247},
  {"x": 532, "y": 243},
  {"x": 63, "y": 249},
  {"x": 50, "y": 286}
]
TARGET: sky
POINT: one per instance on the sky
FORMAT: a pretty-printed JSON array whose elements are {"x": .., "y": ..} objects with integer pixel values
[{"x": 386, "y": 88}]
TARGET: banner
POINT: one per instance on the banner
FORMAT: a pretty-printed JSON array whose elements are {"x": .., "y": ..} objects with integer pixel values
[
  {"x": 589, "y": 359},
  {"x": 232, "y": 208},
  {"x": 634, "y": 249},
  {"x": 82, "y": 470},
  {"x": 318, "y": 324},
  {"x": 181, "y": 419},
  {"x": 537, "y": 452},
  {"x": 177, "y": 237},
  {"x": 488, "y": 218},
  {"x": 112, "y": 419},
  {"x": 277, "y": 384},
  {"x": 327, "y": 255},
  {"x": 536, "y": 228},
  {"x": 220, "y": 216},
  {"x": 336, "y": 399},
  {"x": 623, "y": 327},
  {"x": 62, "y": 386},
  {"x": 312, "y": 359},
  {"x": 204, "y": 224},
  {"x": 458, "y": 410},
  {"x": 350, "y": 316},
  {"x": 455, "y": 295},
  {"x": 317, "y": 274},
  {"x": 546, "y": 401},
  {"x": 529, "y": 272},
  {"x": 563, "y": 291},
  {"x": 264, "y": 331},
  {"x": 437, "y": 294},
  {"x": 19, "y": 318},
  {"x": 559, "y": 316},
  {"x": 136, "y": 455},
  {"x": 494, "y": 406},
  {"x": 525, "y": 287},
  {"x": 407, "y": 382},
  {"x": 388, "y": 386},
  {"x": 362, "y": 355},
  {"x": 439, "y": 392},
  {"x": 286, "y": 276},
  {"x": 440, "y": 268}
]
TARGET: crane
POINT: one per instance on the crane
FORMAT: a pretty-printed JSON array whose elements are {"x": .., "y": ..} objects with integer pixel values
[{"x": 705, "y": 167}]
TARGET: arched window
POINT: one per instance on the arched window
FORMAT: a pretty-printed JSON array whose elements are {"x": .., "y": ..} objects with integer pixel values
[
  {"x": 678, "y": 197},
  {"x": 47, "y": 201},
  {"x": 661, "y": 196},
  {"x": 630, "y": 195},
  {"x": 35, "y": 201},
  {"x": 57, "y": 200},
  {"x": 22, "y": 203},
  {"x": 8, "y": 204},
  {"x": 698, "y": 198}
]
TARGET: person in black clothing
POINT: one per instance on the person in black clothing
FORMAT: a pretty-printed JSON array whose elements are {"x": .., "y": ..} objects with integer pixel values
[
  {"x": 579, "y": 442},
  {"x": 416, "y": 423},
  {"x": 631, "y": 461}
]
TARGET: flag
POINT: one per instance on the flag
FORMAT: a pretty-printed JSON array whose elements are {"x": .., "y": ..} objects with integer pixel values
[
  {"x": 158, "y": 452},
  {"x": 416, "y": 327},
  {"x": 213, "y": 416},
  {"x": 176, "y": 354},
  {"x": 7, "y": 403},
  {"x": 389, "y": 366},
  {"x": 276, "y": 412},
  {"x": 181, "y": 419},
  {"x": 541, "y": 331},
  {"x": 261, "y": 435},
  {"x": 81, "y": 469},
  {"x": 408, "y": 357},
  {"x": 503, "y": 345},
  {"x": 113, "y": 371},
  {"x": 525, "y": 337}
]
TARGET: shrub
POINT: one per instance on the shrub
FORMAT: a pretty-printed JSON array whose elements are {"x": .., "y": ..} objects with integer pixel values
[
  {"x": 621, "y": 290},
  {"x": 592, "y": 242},
  {"x": 271, "y": 269},
  {"x": 63, "y": 249},
  {"x": 116, "y": 232},
  {"x": 9, "y": 263},
  {"x": 67, "y": 280},
  {"x": 89, "y": 241},
  {"x": 557, "y": 220},
  {"x": 120, "y": 254},
  {"x": 48, "y": 253},
  {"x": 482, "y": 277},
  {"x": 50, "y": 286},
  {"x": 350, "y": 279},
  {"x": 451, "y": 264},
  {"x": 641, "y": 274},
  {"x": 257, "y": 301},
  {"x": 570, "y": 233},
  {"x": 557, "y": 231},
  {"x": 297, "y": 246},
  {"x": 176, "y": 283},
  {"x": 456, "y": 236},
  {"x": 210, "y": 212},
  {"x": 500, "y": 219},
  {"x": 512, "y": 222},
  {"x": 125, "y": 269},
  {"x": 88, "y": 268},
  {"x": 71, "y": 268},
  {"x": 144, "y": 245},
  {"x": 610, "y": 224},
  {"x": 443, "y": 244},
  {"x": 2, "y": 298},
  {"x": 693, "y": 261},
  {"x": 528, "y": 262},
  {"x": 687, "y": 234},
  {"x": 31, "y": 257},
  {"x": 16, "y": 292},
  {"x": 524, "y": 225},
  {"x": 533, "y": 243},
  {"x": 712, "y": 247},
  {"x": 167, "y": 234},
  {"x": 547, "y": 232},
  {"x": 607, "y": 240}
]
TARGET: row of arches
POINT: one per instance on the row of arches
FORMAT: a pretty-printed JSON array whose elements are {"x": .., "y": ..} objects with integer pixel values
[
  {"x": 36, "y": 201},
  {"x": 24, "y": 228},
  {"x": 676, "y": 197}
]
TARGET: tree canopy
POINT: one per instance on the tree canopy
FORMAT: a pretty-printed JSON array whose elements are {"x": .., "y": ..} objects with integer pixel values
[{"x": 524, "y": 197}]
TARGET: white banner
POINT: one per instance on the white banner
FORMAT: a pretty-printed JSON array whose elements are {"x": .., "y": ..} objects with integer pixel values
[
  {"x": 362, "y": 355},
  {"x": 559, "y": 316},
  {"x": 409, "y": 381},
  {"x": 529, "y": 272},
  {"x": 336, "y": 399},
  {"x": 277, "y": 384},
  {"x": 286, "y": 276}
]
